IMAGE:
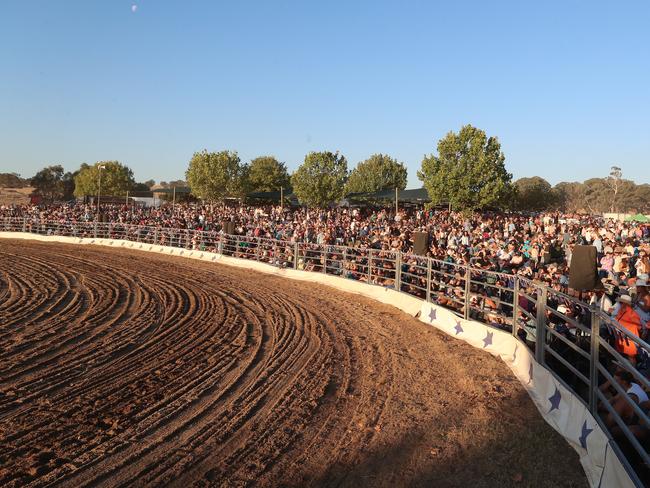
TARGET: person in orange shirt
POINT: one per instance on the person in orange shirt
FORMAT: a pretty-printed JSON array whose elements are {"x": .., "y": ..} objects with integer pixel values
[{"x": 630, "y": 320}]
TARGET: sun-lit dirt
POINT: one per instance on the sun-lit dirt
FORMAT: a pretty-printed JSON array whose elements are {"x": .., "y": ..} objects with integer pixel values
[{"x": 128, "y": 369}]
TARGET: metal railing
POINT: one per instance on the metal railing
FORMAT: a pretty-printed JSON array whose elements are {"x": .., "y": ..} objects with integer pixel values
[{"x": 582, "y": 347}]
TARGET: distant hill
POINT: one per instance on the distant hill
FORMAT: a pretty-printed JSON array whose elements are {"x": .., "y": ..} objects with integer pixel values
[{"x": 12, "y": 180}]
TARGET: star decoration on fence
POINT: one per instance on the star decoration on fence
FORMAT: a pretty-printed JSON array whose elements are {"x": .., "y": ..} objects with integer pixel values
[
  {"x": 584, "y": 435},
  {"x": 488, "y": 339},
  {"x": 458, "y": 328},
  {"x": 432, "y": 314},
  {"x": 555, "y": 400}
]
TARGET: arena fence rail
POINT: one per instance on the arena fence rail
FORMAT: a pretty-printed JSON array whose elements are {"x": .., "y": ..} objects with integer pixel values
[{"x": 582, "y": 347}]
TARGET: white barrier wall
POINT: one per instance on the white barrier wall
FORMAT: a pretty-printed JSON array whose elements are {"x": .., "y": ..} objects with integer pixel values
[{"x": 557, "y": 405}]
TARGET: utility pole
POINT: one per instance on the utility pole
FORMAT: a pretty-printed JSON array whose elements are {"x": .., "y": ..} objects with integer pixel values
[
  {"x": 281, "y": 199},
  {"x": 174, "y": 200},
  {"x": 99, "y": 190},
  {"x": 396, "y": 200}
]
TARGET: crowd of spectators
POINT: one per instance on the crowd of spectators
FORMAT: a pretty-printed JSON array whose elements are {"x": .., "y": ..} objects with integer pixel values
[{"x": 535, "y": 247}]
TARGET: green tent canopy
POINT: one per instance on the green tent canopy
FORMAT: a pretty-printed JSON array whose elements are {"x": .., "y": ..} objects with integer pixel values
[{"x": 637, "y": 218}]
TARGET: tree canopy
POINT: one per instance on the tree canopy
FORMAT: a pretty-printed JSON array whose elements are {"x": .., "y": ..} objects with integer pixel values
[
  {"x": 48, "y": 182},
  {"x": 569, "y": 196},
  {"x": 116, "y": 179},
  {"x": 266, "y": 173},
  {"x": 140, "y": 187},
  {"x": 378, "y": 172},
  {"x": 601, "y": 195},
  {"x": 214, "y": 175},
  {"x": 172, "y": 184},
  {"x": 534, "y": 194},
  {"x": 469, "y": 171},
  {"x": 321, "y": 179}
]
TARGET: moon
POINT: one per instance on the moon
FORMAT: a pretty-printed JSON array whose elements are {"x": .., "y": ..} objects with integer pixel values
[{"x": 134, "y": 8}]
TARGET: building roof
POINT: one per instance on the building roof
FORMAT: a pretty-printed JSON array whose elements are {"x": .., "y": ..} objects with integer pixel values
[
  {"x": 415, "y": 195},
  {"x": 170, "y": 191}
]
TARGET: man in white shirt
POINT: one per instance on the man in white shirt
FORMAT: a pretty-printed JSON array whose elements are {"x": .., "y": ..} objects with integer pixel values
[{"x": 622, "y": 403}]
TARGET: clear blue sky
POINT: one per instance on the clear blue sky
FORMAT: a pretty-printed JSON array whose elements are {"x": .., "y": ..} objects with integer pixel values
[{"x": 565, "y": 85}]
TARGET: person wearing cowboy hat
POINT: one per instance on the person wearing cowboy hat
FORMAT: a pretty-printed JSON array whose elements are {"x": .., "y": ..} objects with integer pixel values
[
  {"x": 603, "y": 297},
  {"x": 630, "y": 321}
]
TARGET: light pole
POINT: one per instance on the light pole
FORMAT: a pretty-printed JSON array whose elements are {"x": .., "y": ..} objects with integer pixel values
[
  {"x": 396, "y": 201},
  {"x": 99, "y": 190}
]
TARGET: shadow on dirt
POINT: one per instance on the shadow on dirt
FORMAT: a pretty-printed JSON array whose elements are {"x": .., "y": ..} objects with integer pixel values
[{"x": 517, "y": 448}]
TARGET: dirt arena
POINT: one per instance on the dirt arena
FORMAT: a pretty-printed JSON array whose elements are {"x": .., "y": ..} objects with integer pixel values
[{"x": 122, "y": 368}]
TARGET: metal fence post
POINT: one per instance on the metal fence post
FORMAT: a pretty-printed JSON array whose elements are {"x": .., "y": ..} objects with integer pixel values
[
  {"x": 398, "y": 271},
  {"x": 325, "y": 259},
  {"x": 468, "y": 278},
  {"x": 515, "y": 305},
  {"x": 258, "y": 254},
  {"x": 540, "y": 342},
  {"x": 24, "y": 224},
  {"x": 428, "y": 296},
  {"x": 593, "y": 362},
  {"x": 295, "y": 255},
  {"x": 95, "y": 229},
  {"x": 369, "y": 266},
  {"x": 155, "y": 235}
]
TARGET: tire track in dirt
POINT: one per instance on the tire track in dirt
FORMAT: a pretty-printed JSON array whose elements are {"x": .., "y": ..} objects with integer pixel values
[{"x": 120, "y": 368}]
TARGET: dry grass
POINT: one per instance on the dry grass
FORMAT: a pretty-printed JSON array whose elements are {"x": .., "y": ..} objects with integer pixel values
[{"x": 15, "y": 196}]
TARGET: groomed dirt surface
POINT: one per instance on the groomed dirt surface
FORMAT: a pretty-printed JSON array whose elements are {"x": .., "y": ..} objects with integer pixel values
[{"x": 123, "y": 368}]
